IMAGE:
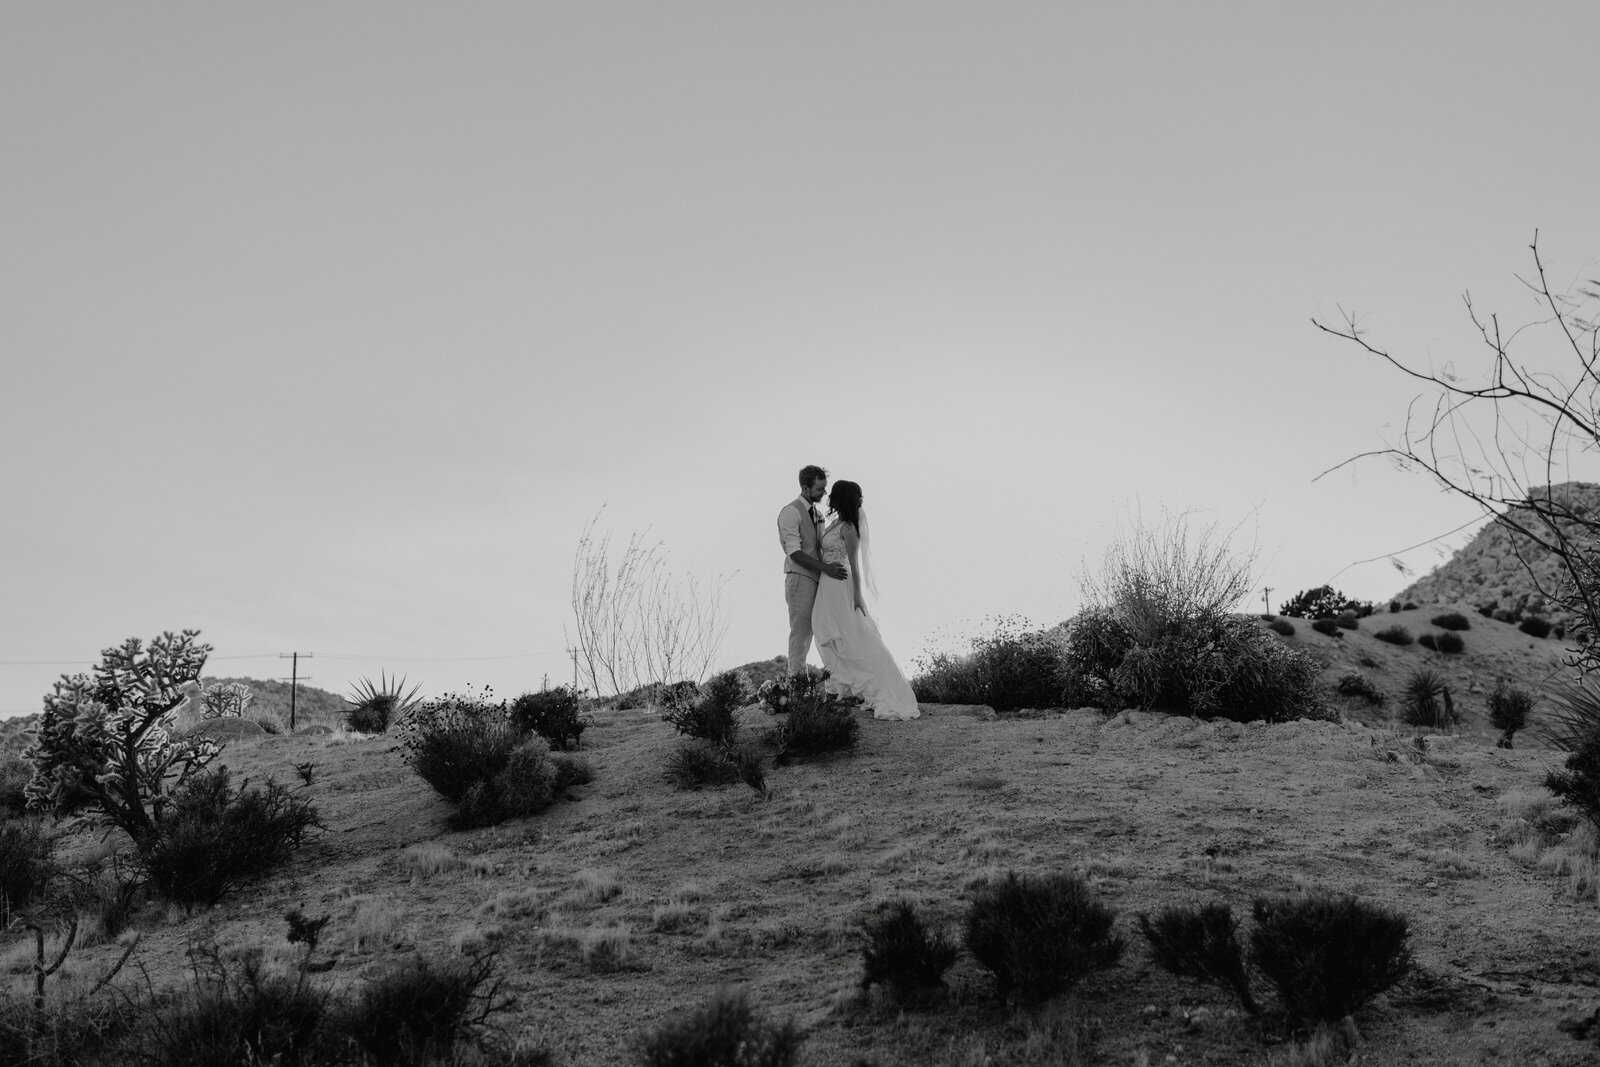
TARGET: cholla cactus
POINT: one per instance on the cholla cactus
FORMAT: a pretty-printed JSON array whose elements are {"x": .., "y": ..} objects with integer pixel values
[
  {"x": 229, "y": 699},
  {"x": 107, "y": 736}
]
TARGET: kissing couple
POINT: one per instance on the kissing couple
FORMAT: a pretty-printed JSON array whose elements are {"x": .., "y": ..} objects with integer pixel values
[{"x": 823, "y": 570}]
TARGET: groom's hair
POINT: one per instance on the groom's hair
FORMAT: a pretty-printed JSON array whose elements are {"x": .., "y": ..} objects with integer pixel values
[{"x": 810, "y": 473}]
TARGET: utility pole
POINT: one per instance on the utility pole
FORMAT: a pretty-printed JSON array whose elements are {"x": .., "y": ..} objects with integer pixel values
[
  {"x": 573, "y": 652},
  {"x": 1266, "y": 601},
  {"x": 293, "y": 680}
]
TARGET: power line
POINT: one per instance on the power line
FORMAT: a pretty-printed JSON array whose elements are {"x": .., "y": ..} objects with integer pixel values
[
  {"x": 325, "y": 655},
  {"x": 1408, "y": 548}
]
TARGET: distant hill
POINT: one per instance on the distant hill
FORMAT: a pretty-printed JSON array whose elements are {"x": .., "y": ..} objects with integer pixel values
[
  {"x": 1494, "y": 650},
  {"x": 12, "y": 737},
  {"x": 1488, "y": 570},
  {"x": 272, "y": 697}
]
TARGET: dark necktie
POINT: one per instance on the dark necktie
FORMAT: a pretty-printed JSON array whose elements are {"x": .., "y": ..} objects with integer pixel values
[{"x": 815, "y": 519}]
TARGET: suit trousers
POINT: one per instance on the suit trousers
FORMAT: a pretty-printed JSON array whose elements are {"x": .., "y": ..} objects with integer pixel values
[{"x": 801, "y": 593}]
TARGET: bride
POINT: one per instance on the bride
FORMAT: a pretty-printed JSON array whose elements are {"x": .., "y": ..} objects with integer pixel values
[{"x": 852, "y": 650}]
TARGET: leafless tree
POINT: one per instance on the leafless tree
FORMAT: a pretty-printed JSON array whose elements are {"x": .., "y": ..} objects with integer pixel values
[
  {"x": 1505, "y": 439},
  {"x": 637, "y": 623}
]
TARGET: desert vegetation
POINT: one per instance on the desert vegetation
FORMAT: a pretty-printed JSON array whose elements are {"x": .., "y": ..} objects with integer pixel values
[
  {"x": 975, "y": 879},
  {"x": 470, "y": 749}
]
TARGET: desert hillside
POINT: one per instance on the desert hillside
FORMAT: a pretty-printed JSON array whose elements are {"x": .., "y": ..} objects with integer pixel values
[
  {"x": 1493, "y": 568},
  {"x": 1493, "y": 650},
  {"x": 634, "y": 901}
]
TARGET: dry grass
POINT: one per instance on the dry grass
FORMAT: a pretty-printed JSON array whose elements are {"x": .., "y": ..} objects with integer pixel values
[
  {"x": 429, "y": 859},
  {"x": 595, "y": 886},
  {"x": 607, "y": 948},
  {"x": 516, "y": 904},
  {"x": 373, "y": 923}
]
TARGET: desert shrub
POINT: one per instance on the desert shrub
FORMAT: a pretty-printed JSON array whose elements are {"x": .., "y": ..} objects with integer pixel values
[
  {"x": 902, "y": 954},
  {"x": 71, "y": 1031},
  {"x": 819, "y": 723},
  {"x": 1486, "y": 610},
  {"x": 15, "y": 774},
  {"x": 554, "y": 714},
  {"x": 1507, "y": 616},
  {"x": 1282, "y": 626},
  {"x": 417, "y": 1011},
  {"x": 225, "y": 699},
  {"x": 531, "y": 780},
  {"x": 1429, "y": 641},
  {"x": 268, "y": 722},
  {"x": 455, "y": 741},
  {"x": 1579, "y": 784},
  {"x": 1449, "y": 644},
  {"x": 714, "y": 715},
  {"x": 697, "y": 762},
  {"x": 1039, "y": 936},
  {"x": 1509, "y": 709},
  {"x": 1223, "y": 667},
  {"x": 1394, "y": 607},
  {"x": 1250, "y": 676},
  {"x": 666, "y": 695},
  {"x": 467, "y": 749},
  {"x": 1560, "y": 631},
  {"x": 105, "y": 740},
  {"x": 374, "y": 706},
  {"x": 1394, "y": 635},
  {"x": 725, "y": 1032},
  {"x": 1201, "y": 943},
  {"x": 1327, "y": 627},
  {"x": 1356, "y": 684},
  {"x": 1009, "y": 668},
  {"x": 1160, "y": 634},
  {"x": 211, "y": 838},
  {"x": 245, "y": 1016},
  {"x": 1410, "y": 606},
  {"x": 110, "y": 898},
  {"x": 26, "y": 864},
  {"x": 1322, "y": 602},
  {"x": 1451, "y": 620},
  {"x": 1327, "y": 955},
  {"x": 1425, "y": 700},
  {"x": 1534, "y": 626},
  {"x": 817, "y": 728},
  {"x": 1347, "y": 620}
]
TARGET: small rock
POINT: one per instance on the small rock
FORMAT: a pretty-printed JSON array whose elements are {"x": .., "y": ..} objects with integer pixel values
[
  {"x": 1431, "y": 885},
  {"x": 1197, "y": 1020},
  {"x": 1149, "y": 1009}
]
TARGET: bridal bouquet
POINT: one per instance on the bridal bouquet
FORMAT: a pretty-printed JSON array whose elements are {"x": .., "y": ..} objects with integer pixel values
[{"x": 774, "y": 695}]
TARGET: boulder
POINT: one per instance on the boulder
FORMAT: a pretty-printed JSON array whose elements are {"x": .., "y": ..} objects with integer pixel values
[{"x": 226, "y": 729}]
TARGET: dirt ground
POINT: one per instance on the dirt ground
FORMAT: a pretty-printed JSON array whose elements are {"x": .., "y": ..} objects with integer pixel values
[{"x": 634, "y": 901}]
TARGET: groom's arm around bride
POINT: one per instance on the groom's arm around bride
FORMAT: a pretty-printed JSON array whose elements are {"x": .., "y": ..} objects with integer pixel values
[{"x": 799, "y": 532}]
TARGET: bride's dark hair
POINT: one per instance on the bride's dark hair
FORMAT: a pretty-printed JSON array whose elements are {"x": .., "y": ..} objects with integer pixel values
[{"x": 844, "y": 500}]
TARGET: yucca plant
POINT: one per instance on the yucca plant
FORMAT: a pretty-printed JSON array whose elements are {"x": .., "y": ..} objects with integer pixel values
[
  {"x": 1576, "y": 720},
  {"x": 373, "y": 708},
  {"x": 1425, "y": 700}
]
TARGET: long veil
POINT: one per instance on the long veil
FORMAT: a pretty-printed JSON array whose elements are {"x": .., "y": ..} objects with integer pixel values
[{"x": 867, "y": 570}]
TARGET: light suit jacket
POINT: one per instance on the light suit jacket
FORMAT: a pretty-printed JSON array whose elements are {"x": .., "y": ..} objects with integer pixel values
[{"x": 797, "y": 533}]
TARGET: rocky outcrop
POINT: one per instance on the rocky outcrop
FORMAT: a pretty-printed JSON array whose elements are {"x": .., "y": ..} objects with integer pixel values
[{"x": 1505, "y": 569}]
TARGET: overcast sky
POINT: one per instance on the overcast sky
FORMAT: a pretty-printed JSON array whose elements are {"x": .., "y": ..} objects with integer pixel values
[{"x": 327, "y": 326}]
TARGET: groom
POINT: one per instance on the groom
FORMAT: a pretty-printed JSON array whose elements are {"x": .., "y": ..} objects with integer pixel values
[{"x": 800, "y": 532}]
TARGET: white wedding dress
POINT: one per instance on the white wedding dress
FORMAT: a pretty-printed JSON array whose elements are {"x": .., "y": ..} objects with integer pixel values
[{"x": 858, "y": 663}]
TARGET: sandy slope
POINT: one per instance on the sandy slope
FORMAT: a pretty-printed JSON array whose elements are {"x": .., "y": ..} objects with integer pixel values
[{"x": 1156, "y": 810}]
